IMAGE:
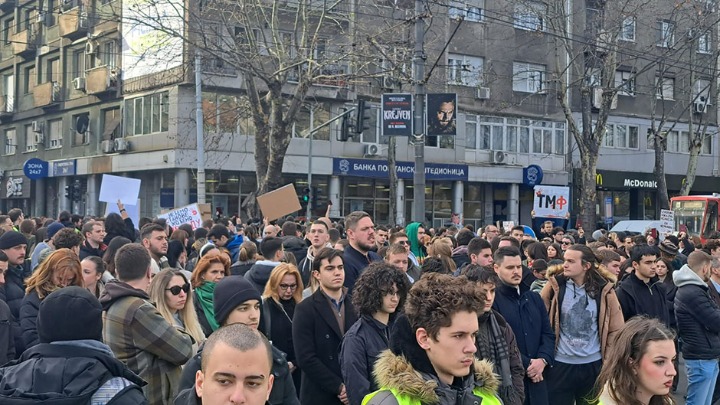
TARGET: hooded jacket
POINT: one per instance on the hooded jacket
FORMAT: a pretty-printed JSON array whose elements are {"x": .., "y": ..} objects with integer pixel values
[
  {"x": 259, "y": 273},
  {"x": 67, "y": 373},
  {"x": 296, "y": 246},
  {"x": 610, "y": 317},
  {"x": 698, "y": 317},
  {"x": 142, "y": 339},
  {"x": 406, "y": 376},
  {"x": 233, "y": 245},
  {"x": 14, "y": 294}
]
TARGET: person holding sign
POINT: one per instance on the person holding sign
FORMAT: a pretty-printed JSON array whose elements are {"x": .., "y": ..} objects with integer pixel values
[{"x": 119, "y": 225}]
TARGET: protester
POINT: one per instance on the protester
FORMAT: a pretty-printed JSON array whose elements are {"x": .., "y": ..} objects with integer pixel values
[
  {"x": 415, "y": 232},
  {"x": 639, "y": 369},
  {"x": 70, "y": 364},
  {"x": 52, "y": 229},
  {"x": 137, "y": 333},
  {"x": 209, "y": 270},
  {"x": 273, "y": 253},
  {"x": 246, "y": 258},
  {"x": 319, "y": 236},
  {"x": 94, "y": 233},
  {"x": 119, "y": 225},
  {"x": 7, "y": 339},
  {"x": 379, "y": 293},
  {"x": 432, "y": 353},
  {"x": 61, "y": 269},
  {"x": 93, "y": 269},
  {"x": 154, "y": 238},
  {"x": 170, "y": 291},
  {"x": 222, "y": 237},
  {"x": 640, "y": 292},
  {"x": 358, "y": 254},
  {"x": 13, "y": 245}
]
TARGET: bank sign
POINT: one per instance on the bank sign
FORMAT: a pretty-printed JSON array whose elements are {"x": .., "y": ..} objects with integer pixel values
[{"x": 379, "y": 169}]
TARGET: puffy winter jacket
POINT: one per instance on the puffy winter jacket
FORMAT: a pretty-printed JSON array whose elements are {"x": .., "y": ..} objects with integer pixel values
[{"x": 698, "y": 317}]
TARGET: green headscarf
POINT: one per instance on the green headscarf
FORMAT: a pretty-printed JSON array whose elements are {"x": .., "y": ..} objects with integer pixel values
[
  {"x": 205, "y": 296},
  {"x": 412, "y": 233}
]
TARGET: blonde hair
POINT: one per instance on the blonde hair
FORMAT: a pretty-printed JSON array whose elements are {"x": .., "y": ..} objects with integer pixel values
[
  {"x": 276, "y": 276},
  {"x": 187, "y": 315},
  {"x": 59, "y": 261}
]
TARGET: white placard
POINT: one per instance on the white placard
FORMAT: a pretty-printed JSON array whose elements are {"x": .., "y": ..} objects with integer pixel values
[
  {"x": 667, "y": 221},
  {"x": 189, "y": 214},
  {"x": 551, "y": 201},
  {"x": 114, "y": 188},
  {"x": 508, "y": 226}
]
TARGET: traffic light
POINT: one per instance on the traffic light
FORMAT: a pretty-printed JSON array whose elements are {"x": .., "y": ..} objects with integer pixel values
[
  {"x": 68, "y": 192},
  {"x": 345, "y": 127},
  {"x": 362, "y": 117},
  {"x": 306, "y": 195},
  {"x": 314, "y": 198}
]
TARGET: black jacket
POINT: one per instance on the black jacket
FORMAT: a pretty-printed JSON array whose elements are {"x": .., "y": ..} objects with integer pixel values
[
  {"x": 638, "y": 298},
  {"x": 283, "y": 390},
  {"x": 276, "y": 324},
  {"x": 28, "y": 319},
  {"x": 127, "y": 232},
  {"x": 355, "y": 262},
  {"x": 317, "y": 338},
  {"x": 296, "y": 246},
  {"x": 7, "y": 340},
  {"x": 87, "y": 250},
  {"x": 527, "y": 316},
  {"x": 698, "y": 317},
  {"x": 259, "y": 274},
  {"x": 241, "y": 268},
  {"x": 202, "y": 319},
  {"x": 66, "y": 374},
  {"x": 189, "y": 397},
  {"x": 361, "y": 347},
  {"x": 14, "y": 295}
]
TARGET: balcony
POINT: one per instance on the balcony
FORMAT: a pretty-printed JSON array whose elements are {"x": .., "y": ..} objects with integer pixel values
[
  {"x": 47, "y": 95},
  {"x": 73, "y": 23},
  {"x": 102, "y": 80},
  {"x": 7, "y": 5},
  {"x": 7, "y": 107},
  {"x": 24, "y": 43}
]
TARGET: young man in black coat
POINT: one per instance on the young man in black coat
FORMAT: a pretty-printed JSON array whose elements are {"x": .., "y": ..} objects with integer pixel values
[
  {"x": 13, "y": 244},
  {"x": 71, "y": 363},
  {"x": 640, "y": 292},
  {"x": 319, "y": 325}
]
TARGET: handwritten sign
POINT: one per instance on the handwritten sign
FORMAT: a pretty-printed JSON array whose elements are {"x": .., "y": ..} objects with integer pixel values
[
  {"x": 667, "y": 222},
  {"x": 551, "y": 201},
  {"x": 189, "y": 214}
]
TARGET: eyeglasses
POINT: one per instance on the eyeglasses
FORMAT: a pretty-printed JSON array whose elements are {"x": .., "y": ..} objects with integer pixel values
[
  {"x": 566, "y": 243},
  {"x": 403, "y": 242},
  {"x": 290, "y": 287},
  {"x": 175, "y": 290}
]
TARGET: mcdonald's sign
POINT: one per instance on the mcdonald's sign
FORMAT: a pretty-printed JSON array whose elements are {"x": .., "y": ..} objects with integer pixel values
[{"x": 598, "y": 179}]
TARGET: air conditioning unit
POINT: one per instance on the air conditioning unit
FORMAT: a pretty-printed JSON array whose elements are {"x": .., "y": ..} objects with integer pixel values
[
  {"x": 499, "y": 157},
  {"x": 700, "y": 108},
  {"x": 79, "y": 83},
  {"x": 37, "y": 126},
  {"x": 39, "y": 139},
  {"x": 482, "y": 93},
  {"x": 40, "y": 17},
  {"x": 121, "y": 145},
  {"x": 372, "y": 149},
  {"x": 91, "y": 47},
  {"x": 107, "y": 146}
]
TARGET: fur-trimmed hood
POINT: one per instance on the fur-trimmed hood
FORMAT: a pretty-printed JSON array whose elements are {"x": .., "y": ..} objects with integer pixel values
[{"x": 406, "y": 368}]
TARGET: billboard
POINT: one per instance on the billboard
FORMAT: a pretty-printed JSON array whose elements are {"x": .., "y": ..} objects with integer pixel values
[
  {"x": 152, "y": 36},
  {"x": 441, "y": 114},
  {"x": 397, "y": 114}
]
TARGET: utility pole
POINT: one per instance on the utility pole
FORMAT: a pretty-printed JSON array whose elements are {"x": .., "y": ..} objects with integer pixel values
[
  {"x": 199, "y": 130},
  {"x": 419, "y": 114}
]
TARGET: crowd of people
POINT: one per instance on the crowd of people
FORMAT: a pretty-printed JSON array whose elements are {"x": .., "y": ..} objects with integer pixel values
[{"x": 99, "y": 310}]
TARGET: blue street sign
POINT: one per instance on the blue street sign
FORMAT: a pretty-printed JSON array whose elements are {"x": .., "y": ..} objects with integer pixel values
[{"x": 35, "y": 168}]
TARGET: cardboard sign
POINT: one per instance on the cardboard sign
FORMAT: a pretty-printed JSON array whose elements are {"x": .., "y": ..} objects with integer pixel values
[
  {"x": 280, "y": 202},
  {"x": 667, "y": 222},
  {"x": 189, "y": 214},
  {"x": 551, "y": 201}
]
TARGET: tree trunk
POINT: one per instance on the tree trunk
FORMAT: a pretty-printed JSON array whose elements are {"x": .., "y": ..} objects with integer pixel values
[
  {"x": 392, "y": 211},
  {"x": 588, "y": 196},
  {"x": 695, "y": 147},
  {"x": 659, "y": 142}
]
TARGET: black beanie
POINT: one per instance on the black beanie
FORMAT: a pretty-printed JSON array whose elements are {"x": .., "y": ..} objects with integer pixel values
[
  {"x": 229, "y": 293},
  {"x": 10, "y": 239},
  {"x": 70, "y": 313}
]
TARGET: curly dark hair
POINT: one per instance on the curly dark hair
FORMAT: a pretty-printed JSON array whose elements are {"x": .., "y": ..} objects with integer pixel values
[
  {"x": 67, "y": 238},
  {"x": 435, "y": 298},
  {"x": 434, "y": 265},
  {"x": 374, "y": 283}
]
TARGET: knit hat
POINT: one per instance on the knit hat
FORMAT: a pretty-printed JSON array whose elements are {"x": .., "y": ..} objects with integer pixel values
[
  {"x": 53, "y": 228},
  {"x": 539, "y": 265},
  {"x": 669, "y": 248},
  {"x": 229, "y": 293},
  {"x": 598, "y": 234},
  {"x": 70, "y": 313},
  {"x": 10, "y": 239}
]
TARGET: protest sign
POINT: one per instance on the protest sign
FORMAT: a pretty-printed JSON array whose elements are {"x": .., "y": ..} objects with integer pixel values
[
  {"x": 551, "y": 201},
  {"x": 114, "y": 188},
  {"x": 280, "y": 202},
  {"x": 133, "y": 210},
  {"x": 667, "y": 222},
  {"x": 189, "y": 214}
]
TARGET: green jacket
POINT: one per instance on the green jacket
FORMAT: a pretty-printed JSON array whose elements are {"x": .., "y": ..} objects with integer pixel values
[{"x": 403, "y": 385}]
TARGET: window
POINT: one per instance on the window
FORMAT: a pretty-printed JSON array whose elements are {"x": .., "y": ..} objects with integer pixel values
[
  {"x": 29, "y": 79},
  {"x": 666, "y": 34},
  {"x": 679, "y": 142},
  {"x": 78, "y": 63},
  {"x": 514, "y": 135},
  {"x": 528, "y": 77},
  {"x": 108, "y": 53},
  {"x": 55, "y": 133},
  {"x": 147, "y": 114},
  {"x": 530, "y": 16},
  {"x": 52, "y": 70},
  {"x": 465, "y": 70},
  {"x": 704, "y": 43},
  {"x": 9, "y": 92},
  {"x": 627, "y": 30},
  {"x": 473, "y": 10},
  {"x": 665, "y": 88},
  {"x": 10, "y": 141},
  {"x": 701, "y": 92},
  {"x": 6, "y": 30},
  {"x": 621, "y": 136},
  {"x": 625, "y": 83},
  {"x": 30, "y": 144}
]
